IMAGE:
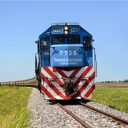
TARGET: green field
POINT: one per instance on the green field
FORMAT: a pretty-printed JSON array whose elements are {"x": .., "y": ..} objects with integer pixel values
[
  {"x": 112, "y": 97},
  {"x": 14, "y": 100},
  {"x": 13, "y": 107}
]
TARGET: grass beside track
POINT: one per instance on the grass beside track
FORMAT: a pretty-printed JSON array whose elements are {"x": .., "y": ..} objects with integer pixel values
[
  {"x": 112, "y": 97},
  {"x": 13, "y": 107}
]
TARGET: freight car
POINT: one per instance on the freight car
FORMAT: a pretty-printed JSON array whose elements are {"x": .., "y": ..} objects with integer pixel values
[{"x": 65, "y": 62}]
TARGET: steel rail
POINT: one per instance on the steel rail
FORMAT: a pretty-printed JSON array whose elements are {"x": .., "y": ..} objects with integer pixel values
[
  {"x": 105, "y": 113},
  {"x": 74, "y": 116}
]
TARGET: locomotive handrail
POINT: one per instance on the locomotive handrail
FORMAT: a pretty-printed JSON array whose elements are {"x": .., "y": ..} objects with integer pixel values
[{"x": 95, "y": 62}]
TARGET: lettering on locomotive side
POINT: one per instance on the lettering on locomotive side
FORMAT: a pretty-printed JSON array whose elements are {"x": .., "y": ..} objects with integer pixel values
[
  {"x": 68, "y": 53},
  {"x": 56, "y": 30},
  {"x": 74, "y": 30},
  {"x": 67, "y": 60},
  {"x": 59, "y": 60}
]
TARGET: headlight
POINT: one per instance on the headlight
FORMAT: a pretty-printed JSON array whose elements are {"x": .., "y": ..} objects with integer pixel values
[
  {"x": 65, "y": 28},
  {"x": 65, "y": 32}
]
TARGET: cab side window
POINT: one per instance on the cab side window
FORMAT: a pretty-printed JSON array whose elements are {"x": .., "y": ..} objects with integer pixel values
[
  {"x": 44, "y": 43},
  {"x": 87, "y": 42}
]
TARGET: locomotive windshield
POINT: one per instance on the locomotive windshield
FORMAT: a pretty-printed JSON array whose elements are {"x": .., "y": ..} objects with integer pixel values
[
  {"x": 58, "y": 39},
  {"x": 61, "y": 39},
  {"x": 73, "y": 39}
]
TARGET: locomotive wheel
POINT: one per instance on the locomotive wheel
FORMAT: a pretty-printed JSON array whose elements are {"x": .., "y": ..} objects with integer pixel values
[
  {"x": 39, "y": 84},
  {"x": 37, "y": 70},
  {"x": 36, "y": 66}
]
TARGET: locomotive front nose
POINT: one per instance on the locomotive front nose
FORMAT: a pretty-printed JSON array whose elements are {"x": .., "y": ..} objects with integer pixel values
[{"x": 68, "y": 88}]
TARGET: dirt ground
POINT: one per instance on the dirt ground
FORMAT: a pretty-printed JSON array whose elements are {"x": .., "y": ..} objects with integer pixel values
[{"x": 112, "y": 85}]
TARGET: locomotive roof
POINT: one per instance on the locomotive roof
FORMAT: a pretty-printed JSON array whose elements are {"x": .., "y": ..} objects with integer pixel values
[{"x": 49, "y": 30}]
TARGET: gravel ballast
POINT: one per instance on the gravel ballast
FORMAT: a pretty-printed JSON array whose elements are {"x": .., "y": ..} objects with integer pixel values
[
  {"x": 94, "y": 119},
  {"x": 48, "y": 115},
  {"x": 109, "y": 110}
]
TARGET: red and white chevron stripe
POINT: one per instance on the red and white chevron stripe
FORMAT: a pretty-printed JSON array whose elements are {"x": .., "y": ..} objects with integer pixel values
[{"x": 52, "y": 84}]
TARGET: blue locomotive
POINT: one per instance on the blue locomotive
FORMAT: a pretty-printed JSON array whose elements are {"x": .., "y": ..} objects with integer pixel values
[{"x": 65, "y": 62}]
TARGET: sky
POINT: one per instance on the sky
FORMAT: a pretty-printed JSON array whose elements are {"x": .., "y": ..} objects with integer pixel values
[{"x": 22, "y": 22}]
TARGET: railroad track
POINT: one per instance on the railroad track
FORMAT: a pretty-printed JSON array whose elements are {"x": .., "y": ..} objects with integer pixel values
[
  {"x": 84, "y": 124},
  {"x": 119, "y": 122}
]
